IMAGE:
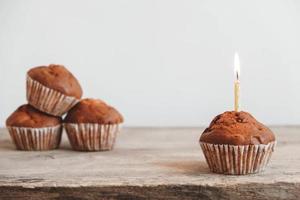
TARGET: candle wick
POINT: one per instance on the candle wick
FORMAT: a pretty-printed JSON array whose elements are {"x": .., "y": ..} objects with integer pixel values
[{"x": 237, "y": 76}]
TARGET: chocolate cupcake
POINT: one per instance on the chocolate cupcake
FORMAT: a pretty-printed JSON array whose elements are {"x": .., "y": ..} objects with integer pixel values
[
  {"x": 92, "y": 125},
  {"x": 52, "y": 89},
  {"x": 236, "y": 143},
  {"x": 31, "y": 129}
]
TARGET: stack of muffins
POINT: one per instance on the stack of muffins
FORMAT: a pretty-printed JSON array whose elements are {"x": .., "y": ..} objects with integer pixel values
[{"x": 52, "y": 91}]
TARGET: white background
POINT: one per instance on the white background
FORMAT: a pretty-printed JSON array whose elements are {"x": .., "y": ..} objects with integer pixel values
[{"x": 161, "y": 63}]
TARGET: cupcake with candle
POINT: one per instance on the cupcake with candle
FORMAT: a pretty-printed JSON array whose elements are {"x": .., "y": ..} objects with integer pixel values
[
  {"x": 30, "y": 129},
  {"x": 52, "y": 89},
  {"x": 236, "y": 143},
  {"x": 92, "y": 125}
]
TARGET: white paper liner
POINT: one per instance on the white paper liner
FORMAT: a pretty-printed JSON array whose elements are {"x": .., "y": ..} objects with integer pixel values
[
  {"x": 237, "y": 159},
  {"x": 48, "y": 100},
  {"x": 32, "y": 139},
  {"x": 92, "y": 137}
]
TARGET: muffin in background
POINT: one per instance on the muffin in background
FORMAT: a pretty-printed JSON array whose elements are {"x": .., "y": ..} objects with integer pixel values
[
  {"x": 236, "y": 143},
  {"x": 92, "y": 125},
  {"x": 52, "y": 89},
  {"x": 30, "y": 129}
]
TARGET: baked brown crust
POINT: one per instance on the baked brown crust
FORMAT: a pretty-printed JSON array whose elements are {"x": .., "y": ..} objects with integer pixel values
[
  {"x": 28, "y": 116},
  {"x": 93, "y": 111},
  {"x": 57, "y": 77},
  {"x": 236, "y": 128}
]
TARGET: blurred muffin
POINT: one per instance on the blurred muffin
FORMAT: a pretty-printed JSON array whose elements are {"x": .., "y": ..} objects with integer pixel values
[
  {"x": 31, "y": 129},
  {"x": 92, "y": 125},
  {"x": 236, "y": 143},
  {"x": 52, "y": 89}
]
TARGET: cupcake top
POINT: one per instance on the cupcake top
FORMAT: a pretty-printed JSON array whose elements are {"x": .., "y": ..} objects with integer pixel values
[
  {"x": 28, "y": 116},
  {"x": 236, "y": 128},
  {"x": 57, "y": 77},
  {"x": 93, "y": 111}
]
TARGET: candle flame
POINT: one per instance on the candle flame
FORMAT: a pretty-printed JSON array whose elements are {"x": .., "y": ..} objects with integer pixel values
[{"x": 237, "y": 70}]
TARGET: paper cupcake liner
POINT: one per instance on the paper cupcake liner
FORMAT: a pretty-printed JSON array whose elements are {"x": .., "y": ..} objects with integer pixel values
[
  {"x": 237, "y": 159},
  {"x": 48, "y": 100},
  {"x": 32, "y": 139},
  {"x": 92, "y": 137}
]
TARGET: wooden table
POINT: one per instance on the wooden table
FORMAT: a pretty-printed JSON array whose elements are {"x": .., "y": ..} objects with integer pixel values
[{"x": 160, "y": 163}]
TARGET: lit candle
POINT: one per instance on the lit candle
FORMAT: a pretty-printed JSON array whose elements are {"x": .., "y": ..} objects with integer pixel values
[{"x": 236, "y": 82}]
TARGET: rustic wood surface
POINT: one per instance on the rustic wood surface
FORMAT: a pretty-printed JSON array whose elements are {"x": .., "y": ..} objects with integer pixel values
[{"x": 158, "y": 163}]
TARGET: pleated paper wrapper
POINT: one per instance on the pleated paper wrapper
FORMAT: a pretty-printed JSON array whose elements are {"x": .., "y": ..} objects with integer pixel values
[
  {"x": 48, "y": 100},
  {"x": 36, "y": 139},
  {"x": 237, "y": 159},
  {"x": 92, "y": 137}
]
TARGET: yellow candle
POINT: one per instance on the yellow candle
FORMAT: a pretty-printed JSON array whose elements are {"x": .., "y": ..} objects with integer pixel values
[
  {"x": 236, "y": 95},
  {"x": 236, "y": 82}
]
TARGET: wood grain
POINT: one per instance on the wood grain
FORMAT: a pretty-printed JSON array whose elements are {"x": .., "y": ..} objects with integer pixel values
[{"x": 159, "y": 163}]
